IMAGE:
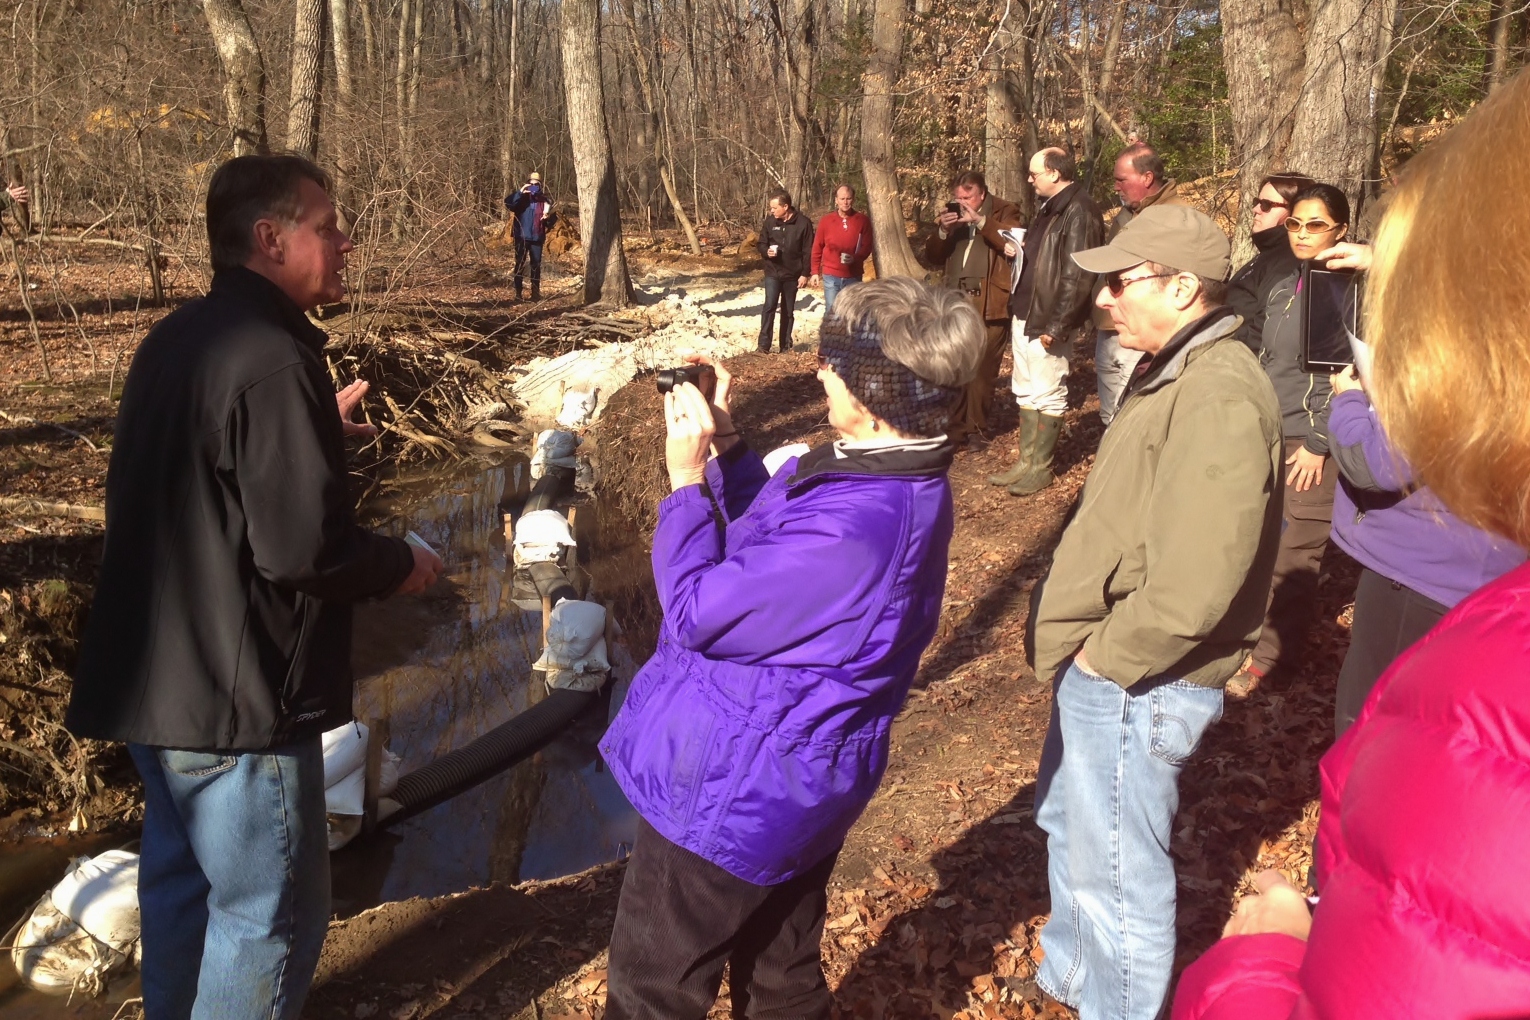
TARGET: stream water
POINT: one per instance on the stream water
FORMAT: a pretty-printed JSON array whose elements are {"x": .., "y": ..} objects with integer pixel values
[{"x": 437, "y": 671}]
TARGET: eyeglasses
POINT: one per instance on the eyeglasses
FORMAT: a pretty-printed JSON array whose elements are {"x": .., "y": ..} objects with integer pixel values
[
  {"x": 1296, "y": 226},
  {"x": 1266, "y": 206},
  {"x": 1117, "y": 286}
]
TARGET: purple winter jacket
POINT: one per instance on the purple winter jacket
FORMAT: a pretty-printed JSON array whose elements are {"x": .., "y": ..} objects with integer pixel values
[
  {"x": 1401, "y": 532},
  {"x": 758, "y": 732}
]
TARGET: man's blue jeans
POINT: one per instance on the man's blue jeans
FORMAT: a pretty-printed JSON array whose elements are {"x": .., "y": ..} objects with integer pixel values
[
  {"x": 832, "y": 285},
  {"x": 1106, "y": 795},
  {"x": 233, "y": 883}
]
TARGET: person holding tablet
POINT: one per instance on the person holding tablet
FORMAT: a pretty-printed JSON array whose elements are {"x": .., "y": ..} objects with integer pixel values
[{"x": 1319, "y": 220}]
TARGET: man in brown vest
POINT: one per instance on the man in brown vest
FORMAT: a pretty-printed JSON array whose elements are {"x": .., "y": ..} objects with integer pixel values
[{"x": 971, "y": 247}]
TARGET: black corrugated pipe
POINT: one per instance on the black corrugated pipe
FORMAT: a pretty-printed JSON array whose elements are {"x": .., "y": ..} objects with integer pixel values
[
  {"x": 552, "y": 583},
  {"x": 545, "y": 493},
  {"x": 489, "y": 755}
]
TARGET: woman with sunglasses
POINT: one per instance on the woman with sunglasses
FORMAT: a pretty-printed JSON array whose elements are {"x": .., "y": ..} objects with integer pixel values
[
  {"x": 1248, "y": 292},
  {"x": 1319, "y": 220},
  {"x": 796, "y": 606}
]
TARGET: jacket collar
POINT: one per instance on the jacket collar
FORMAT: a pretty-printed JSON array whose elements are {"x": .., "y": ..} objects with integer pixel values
[
  {"x": 1167, "y": 191},
  {"x": 1267, "y": 239},
  {"x": 1168, "y": 363},
  {"x": 822, "y": 463},
  {"x": 1060, "y": 201},
  {"x": 269, "y": 301}
]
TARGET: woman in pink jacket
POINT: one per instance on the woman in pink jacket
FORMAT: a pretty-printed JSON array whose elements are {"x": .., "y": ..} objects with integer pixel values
[{"x": 1424, "y": 855}]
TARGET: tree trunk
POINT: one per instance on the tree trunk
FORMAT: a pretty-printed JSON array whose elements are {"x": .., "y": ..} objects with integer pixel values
[
  {"x": 600, "y": 225},
  {"x": 345, "y": 89},
  {"x": 307, "y": 62},
  {"x": 507, "y": 142},
  {"x": 800, "y": 39},
  {"x": 879, "y": 161},
  {"x": 244, "y": 92},
  {"x": 1098, "y": 124},
  {"x": 1333, "y": 136},
  {"x": 1262, "y": 51},
  {"x": 1003, "y": 159},
  {"x": 1498, "y": 55},
  {"x": 649, "y": 83}
]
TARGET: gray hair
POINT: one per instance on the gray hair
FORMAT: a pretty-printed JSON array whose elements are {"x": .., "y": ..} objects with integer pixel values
[
  {"x": 933, "y": 332},
  {"x": 1213, "y": 292}
]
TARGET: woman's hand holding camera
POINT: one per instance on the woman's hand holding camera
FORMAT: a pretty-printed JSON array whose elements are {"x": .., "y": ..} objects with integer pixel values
[
  {"x": 1346, "y": 255},
  {"x": 691, "y": 427},
  {"x": 1349, "y": 379}
]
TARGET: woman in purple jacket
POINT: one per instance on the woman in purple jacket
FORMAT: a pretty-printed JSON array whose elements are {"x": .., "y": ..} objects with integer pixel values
[
  {"x": 796, "y": 607},
  {"x": 1419, "y": 558}
]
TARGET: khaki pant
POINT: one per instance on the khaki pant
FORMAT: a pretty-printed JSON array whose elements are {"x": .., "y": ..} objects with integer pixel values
[
  {"x": 1039, "y": 378},
  {"x": 1303, "y": 539},
  {"x": 970, "y": 413}
]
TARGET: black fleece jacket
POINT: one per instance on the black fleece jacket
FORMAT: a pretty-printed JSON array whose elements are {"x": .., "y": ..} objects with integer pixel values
[
  {"x": 222, "y": 618},
  {"x": 1248, "y": 293}
]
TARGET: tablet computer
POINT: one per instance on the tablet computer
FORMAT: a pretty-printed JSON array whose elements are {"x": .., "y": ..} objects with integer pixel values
[{"x": 1330, "y": 318}]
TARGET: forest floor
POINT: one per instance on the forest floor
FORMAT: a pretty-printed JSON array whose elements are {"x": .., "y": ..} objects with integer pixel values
[{"x": 940, "y": 891}]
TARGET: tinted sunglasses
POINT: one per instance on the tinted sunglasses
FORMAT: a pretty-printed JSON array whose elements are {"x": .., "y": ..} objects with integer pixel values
[
  {"x": 1296, "y": 226},
  {"x": 1266, "y": 206},
  {"x": 1117, "y": 286}
]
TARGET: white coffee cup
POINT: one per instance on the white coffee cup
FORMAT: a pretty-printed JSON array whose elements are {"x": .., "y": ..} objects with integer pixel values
[
  {"x": 844, "y": 258},
  {"x": 773, "y": 250}
]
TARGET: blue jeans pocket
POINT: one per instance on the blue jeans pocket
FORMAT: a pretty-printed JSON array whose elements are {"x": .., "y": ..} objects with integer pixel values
[
  {"x": 1182, "y": 713},
  {"x": 197, "y": 764}
]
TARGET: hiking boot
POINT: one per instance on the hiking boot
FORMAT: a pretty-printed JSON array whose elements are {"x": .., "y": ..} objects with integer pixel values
[
  {"x": 1029, "y": 420},
  {"x": 518, "y": 288},
  {"x": 536, "y": 291},
  {"x": 1039, "y": 475}
]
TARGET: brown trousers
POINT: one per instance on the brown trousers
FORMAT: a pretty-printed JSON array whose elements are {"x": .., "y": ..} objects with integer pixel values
[
  {"x": 1308, "y": 517},
  {"x": 970, "y": 413}
]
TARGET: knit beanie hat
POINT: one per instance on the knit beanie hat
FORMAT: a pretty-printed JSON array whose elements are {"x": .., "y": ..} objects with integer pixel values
[{"x": 891, "y": 391}]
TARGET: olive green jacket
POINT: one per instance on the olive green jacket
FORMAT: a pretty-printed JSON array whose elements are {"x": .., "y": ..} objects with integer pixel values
[{"x": 1165, "y": 569}]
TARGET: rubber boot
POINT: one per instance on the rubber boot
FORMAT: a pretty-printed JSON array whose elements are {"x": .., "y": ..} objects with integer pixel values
[
  {"x": 1048, "y": 428},
  {"x": 1029, "y": 419},
  {"x": 518, "y": 286}
]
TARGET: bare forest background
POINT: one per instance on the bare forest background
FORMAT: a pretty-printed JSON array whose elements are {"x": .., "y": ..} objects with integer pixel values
[{"x": 682, "y": 114}]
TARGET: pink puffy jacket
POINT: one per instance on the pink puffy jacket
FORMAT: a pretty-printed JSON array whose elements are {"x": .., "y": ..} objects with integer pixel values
[{"x": 1424, "y": 856}]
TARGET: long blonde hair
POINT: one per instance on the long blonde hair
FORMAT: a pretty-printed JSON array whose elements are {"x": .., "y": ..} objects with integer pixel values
[{"x": 1446, "y": 312}]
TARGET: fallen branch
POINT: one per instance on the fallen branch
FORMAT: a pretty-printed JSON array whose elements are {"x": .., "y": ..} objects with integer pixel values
[
  {"x": 21, "y": 419},
  {"x": 47, "y": 508}
]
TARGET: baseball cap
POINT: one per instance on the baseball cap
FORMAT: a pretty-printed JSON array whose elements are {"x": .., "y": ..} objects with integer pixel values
[{"x": 1176, "y": 236}]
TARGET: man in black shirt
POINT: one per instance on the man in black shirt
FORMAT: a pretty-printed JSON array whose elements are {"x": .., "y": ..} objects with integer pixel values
[
  {"x": 786, "y": 243},
  {"x": 218, "y": 646}
]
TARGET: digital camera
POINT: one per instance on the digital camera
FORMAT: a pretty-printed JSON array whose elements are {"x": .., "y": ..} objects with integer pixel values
[{"x": 700, "y": 376}]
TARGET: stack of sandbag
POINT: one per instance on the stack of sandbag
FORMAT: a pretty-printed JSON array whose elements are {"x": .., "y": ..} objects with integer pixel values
[
  {"x": 555, "y": 448},
  {"x": 578, "y": 408},
  {"x": 540, "y": 537},
  {"x": 84, "y": 930},
  {"x": 575, "y": 656},
  {"x": 345, "y": 780}
]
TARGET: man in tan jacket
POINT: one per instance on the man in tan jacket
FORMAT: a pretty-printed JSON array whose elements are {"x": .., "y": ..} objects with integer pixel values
[
  {"x": 1157, "y": 591},
  {"x": 1142, "y": 182},
  {"x": 970, "y": 246}
]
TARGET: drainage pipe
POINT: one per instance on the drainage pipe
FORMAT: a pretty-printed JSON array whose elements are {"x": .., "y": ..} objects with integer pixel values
[{"x": 489, "y": 755}]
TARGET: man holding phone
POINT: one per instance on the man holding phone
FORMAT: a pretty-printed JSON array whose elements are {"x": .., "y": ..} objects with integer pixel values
[
  {"x": 531, "y": 214},
  {"x": 970, "y": 244},
  {"x": 786, "y": 244}
]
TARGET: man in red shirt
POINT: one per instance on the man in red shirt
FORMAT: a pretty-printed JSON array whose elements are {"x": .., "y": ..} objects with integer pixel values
[{"x": 841, "y": 246}]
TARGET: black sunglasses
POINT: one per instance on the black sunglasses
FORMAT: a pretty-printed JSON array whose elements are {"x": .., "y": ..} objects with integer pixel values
[{"x": 1265, "y": 205}]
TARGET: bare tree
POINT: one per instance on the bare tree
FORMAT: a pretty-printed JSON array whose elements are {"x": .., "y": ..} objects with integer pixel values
[
  {"x": 600, "y": 225},
  {"x": 799, "y": 37},
  {"x": 307, "y": 62},
  {"x": 244, "y": 90},
  {"x": 894, "y": 256}
]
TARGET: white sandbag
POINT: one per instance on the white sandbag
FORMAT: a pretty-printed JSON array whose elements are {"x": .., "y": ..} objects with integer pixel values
[
  {"x": 576, "y": 640},
  {"x": 779, "y": 456},
  {"x": 541, "y": 536},
  {"x": 345, "y": 751},
  {"x": 555, "y": 448},
  {"x": 578, "y": 408},
  {"x": 84, "y": 930},
  {"x": 348, "y": 796}
]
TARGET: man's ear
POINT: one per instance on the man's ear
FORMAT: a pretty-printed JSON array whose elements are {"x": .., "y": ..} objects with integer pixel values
[{"x": 268, "y": 241}]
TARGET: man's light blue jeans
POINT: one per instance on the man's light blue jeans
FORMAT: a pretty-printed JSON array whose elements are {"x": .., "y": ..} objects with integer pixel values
[
  {"x": 832, "y": 285},
  {"x": 233, "y": 882},
  {"x": 1113, "y": 368},
  {"x": 1106, "y": 795}
]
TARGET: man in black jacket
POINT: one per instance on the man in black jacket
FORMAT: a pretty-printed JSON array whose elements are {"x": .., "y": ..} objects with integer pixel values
[
  {"x": 218, "y": 645},
  {"x": 1050, "y": 303},
  {"x": 786, "y": 243}
]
